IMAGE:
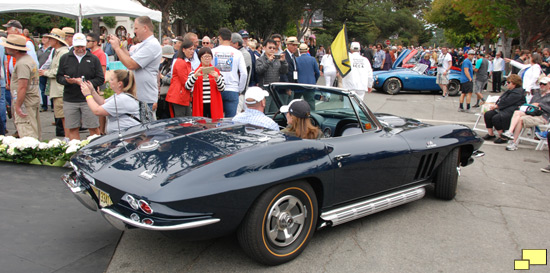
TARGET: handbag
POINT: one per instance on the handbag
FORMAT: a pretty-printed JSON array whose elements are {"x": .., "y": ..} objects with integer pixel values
[{"x": 531, "y": 110}]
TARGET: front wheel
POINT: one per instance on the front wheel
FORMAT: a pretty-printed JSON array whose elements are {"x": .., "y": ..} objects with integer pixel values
[
  {"x": 392, "y": 86},
  {"x": 454, "y": 88},
  {"x": 446, "y": 178},
  {"x": 280, "y": 223}
]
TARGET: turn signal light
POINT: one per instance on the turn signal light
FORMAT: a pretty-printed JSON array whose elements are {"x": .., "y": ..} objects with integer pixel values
[{"x": 145, "y": 207}]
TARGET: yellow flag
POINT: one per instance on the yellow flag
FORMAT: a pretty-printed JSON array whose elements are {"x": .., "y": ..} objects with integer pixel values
[{"x": 339, "y": 50}]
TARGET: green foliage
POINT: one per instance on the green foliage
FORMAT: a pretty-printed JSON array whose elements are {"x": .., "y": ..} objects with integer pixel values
[{"x": 109, "y": 21}]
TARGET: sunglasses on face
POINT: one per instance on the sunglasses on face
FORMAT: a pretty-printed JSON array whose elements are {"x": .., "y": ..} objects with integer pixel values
[
  {"x": 543, "y": 83},
  {"x": 271, "y": 47},
  {"x": 205, "y": 43}
]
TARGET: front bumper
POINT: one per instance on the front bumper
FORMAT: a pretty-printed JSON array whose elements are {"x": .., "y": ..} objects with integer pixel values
[{"x": 82, "y": 193}]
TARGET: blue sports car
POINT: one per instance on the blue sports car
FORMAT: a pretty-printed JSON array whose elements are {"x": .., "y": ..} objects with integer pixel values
[{"x": 418, "y": 78}]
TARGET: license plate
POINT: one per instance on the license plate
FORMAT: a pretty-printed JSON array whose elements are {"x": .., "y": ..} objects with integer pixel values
[{"x": 104, "y": 198}]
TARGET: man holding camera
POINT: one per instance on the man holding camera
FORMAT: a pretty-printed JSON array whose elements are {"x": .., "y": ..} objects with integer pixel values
[{"x": 269, "y": 68}]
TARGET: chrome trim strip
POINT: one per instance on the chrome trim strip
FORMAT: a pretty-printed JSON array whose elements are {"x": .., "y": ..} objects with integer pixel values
[
  {"x": 159, "y": 228},
  {"x": 364, "y": 208}
]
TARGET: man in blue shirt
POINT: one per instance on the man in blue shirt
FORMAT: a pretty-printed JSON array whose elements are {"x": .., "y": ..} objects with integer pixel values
[
  {"x": 254, "y": 99},
  {"x": 466, "y": 83}
]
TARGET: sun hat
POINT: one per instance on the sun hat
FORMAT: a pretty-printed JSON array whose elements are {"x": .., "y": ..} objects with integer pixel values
[
  {"x": 298, "y": 107},
  {"x": 57, "y": 34},
  {"x": 16, "y": 41},
  {"x": 292, "y": 40},
  {"x": 304, "y": 47},
  {"x": 168, "y": 51},
  {"x": 255, "y": 93},
  {"x": 68, "y": 30},
  {"x": 79, "y": 40}
]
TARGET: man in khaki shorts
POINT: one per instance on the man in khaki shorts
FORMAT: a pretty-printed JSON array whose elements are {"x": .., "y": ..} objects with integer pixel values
[
  {"x": 24, "y": 87},
  {"x": 57, "y": 41},
  {"x": 443, "y": 69}
]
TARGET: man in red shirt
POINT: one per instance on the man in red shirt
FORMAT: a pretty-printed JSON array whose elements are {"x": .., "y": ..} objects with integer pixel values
[{"x": 92, "y": 43}]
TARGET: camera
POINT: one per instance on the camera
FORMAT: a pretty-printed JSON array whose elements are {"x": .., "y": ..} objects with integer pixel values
[{"x": 277, "y": 56}]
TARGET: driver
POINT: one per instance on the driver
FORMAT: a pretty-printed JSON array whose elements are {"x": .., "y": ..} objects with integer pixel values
[
  {"x": 297, "y": 114},
  {"x": 254, "y": 99}
]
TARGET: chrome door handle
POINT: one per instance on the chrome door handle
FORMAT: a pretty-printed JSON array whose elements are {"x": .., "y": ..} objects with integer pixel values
[{"x": 340, "y": 157}]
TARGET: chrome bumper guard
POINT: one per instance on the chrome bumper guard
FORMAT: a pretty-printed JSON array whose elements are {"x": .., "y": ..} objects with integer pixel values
[
  {"x": 118, "y": 221},
  {"x": 114, "y": 218}
]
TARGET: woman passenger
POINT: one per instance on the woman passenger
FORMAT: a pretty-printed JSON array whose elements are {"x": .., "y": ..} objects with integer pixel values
[{"x": 297, "y": 114}]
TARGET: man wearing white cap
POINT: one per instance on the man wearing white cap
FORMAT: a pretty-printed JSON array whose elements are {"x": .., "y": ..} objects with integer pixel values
[
  {"x": 254, "y": 99},
  {"x": 360, "y": 77},
  {"x": 24, "y": 87}
]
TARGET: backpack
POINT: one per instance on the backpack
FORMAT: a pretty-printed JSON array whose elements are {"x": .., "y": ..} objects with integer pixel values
[{"x": 145, "y": 113}]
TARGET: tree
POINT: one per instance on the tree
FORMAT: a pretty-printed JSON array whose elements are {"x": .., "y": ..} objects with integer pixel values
[{"x": 164, "y": 6}]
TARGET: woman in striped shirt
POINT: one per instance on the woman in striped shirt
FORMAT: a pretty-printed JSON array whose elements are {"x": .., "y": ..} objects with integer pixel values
[{"x": 206, "y": 91}]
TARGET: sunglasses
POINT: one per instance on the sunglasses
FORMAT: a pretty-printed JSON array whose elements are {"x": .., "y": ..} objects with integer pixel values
[
  {"x": 271, "y": 47},
  {"x": 89, "y": 41},
  {"x": 543, "y": 83},
  {"x": 205, "y": 43}
]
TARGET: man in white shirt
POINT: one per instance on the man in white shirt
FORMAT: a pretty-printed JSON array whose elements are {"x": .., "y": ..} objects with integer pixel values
[
  {"x": 230, "y": 62},
  {"x": 360, "y": 77},
  {"x": 444, "y": 62},
  {"x": 498, "y": 67},
  {"x": 144, "y": 60}
]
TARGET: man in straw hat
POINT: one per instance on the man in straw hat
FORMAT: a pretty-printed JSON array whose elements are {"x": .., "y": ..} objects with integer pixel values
[
  {"x": 24, "y": 87},
  {"x": 69, "y": 33},
  {"x": 60, "y": 47}
]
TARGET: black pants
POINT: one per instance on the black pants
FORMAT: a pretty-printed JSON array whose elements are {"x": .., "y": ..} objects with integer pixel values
[
  {"x": 497, "y": 120},
  {"x": 497, "y": 81}
]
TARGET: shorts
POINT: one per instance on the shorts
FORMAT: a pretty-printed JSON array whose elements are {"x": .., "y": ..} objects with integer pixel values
[
  {"x": 75, "y": 112},
  {"x": 58, "y": 108},
  {"x": 478, "y": 86},
  {"x": 467, "y": 87},
  {"x": 532, "y": 121},
  {"x": 442, "y": 79}
]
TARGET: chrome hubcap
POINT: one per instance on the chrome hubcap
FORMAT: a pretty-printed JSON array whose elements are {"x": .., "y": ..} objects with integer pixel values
[{"x": 285, "y": 221}]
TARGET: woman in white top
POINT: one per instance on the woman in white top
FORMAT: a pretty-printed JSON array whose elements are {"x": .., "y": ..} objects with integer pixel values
[
  {"x": 122, "y": 105},
  {"x": 328, "y": 69},
  {"x": 531, "y": 73}
]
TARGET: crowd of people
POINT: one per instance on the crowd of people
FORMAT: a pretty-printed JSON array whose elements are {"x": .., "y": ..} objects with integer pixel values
[{"x": 214, "y": 77}]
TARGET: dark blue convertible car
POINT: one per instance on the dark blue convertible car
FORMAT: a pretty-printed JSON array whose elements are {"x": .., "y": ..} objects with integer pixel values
[{"x": 202, "y": 178}]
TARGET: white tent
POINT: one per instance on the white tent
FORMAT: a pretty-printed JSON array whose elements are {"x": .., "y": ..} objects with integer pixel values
[{"x": 78, "y": 9}]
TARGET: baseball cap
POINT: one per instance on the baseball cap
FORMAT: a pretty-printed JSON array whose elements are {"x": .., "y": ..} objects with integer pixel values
[
  {"x": 255, "y": 93},
  {"x": 13, "y": 23},
  {"x": 298, "y": 107},
  {"x": 79, "y": 39},
  {"x": 471, "y": 52},
  {"x": 545, "y": 80},
  {"x": 243, "y": 33},
  {"x": 355, "y": 46}
]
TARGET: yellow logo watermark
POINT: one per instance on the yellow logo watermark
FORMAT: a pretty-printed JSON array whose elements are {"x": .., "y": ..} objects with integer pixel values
[{"x": 531, "y": 257}]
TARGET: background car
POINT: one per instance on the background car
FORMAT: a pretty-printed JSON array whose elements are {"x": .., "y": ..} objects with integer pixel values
[
  {"x": 198, "y": 178},
  {"x": 418, "y": 78}
]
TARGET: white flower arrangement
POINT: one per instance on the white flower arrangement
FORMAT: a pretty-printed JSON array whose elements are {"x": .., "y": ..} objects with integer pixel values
[{"x": 31, "y": 150}]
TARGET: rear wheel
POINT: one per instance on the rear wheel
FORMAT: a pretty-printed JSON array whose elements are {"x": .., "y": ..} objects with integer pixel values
[
  {"x": 446, "y": 178},
  {"x": 280, "y": 223},
  {"x": 454, "y": 88},
  {"x": 392, "y": 86}
]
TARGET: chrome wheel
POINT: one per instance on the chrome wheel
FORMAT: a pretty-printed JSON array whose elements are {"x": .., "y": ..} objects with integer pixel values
[{"x": 285, "y": 221}]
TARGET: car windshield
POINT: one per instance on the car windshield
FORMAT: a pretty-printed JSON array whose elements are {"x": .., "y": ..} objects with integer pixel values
[
  {"x": 420, "y": 68},
  {"x": 328, "y": 106}
]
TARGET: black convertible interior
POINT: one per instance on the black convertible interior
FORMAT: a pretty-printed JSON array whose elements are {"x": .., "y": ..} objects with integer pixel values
[{"x": 334, "y": 112}]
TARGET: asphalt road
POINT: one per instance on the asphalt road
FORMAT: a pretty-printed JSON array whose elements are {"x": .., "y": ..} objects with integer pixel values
[{"x": 501, "y": 208}]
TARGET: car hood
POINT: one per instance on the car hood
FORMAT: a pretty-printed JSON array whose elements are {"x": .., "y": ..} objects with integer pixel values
[
  {"x": 399, "y": 124},
  {"x": 167, "y": 149}
]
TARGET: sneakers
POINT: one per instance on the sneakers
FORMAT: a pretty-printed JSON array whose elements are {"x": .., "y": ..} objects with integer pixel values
[
  {"x": 442, "y": 98},
  {"x": 476, "y": 106},
  {"x": 489, "y": 137},
  {"x": 545, "y": 170},
  {"x": 508, "y": 135},
  {"x": 500, "y": 141},
  {"x": 512, "y": 146}
]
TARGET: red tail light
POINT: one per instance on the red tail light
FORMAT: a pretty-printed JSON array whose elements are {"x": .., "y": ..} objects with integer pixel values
[{"x": 145, "y": 207}]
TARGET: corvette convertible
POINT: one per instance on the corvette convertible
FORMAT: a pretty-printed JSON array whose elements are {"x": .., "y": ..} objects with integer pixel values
[
  {"x": 200, "y": 178},
  {"x": 419, "y": 77}
]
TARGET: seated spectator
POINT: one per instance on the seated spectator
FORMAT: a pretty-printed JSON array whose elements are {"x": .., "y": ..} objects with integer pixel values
[
  {"x": 297, "y": 114},
  {"x": 500, "y": 114},
  {"x": 426, "y": 61},
  {"x": 122, "y": 106},
  {"x": 254, "y": 110},
  {"x": 206, "y": 91},
  {"x": 521, "y": 120}
]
